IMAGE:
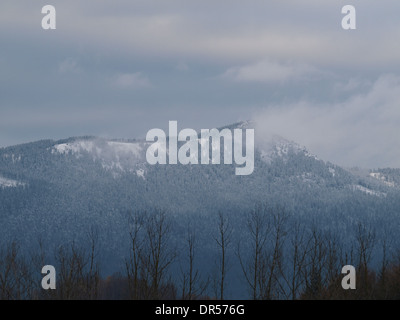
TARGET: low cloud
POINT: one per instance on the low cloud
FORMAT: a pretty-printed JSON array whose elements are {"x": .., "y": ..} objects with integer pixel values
[
  {"x": 361, "y": 131},
  {"x": 270, "y": 71}
]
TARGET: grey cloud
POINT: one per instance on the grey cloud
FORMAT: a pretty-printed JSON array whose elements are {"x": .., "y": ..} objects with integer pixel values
[
  {"x": 270, "y": 71},
  {"x": 240, "y": 32},
  {"x": 362, "y": 130},
  {"x": 120, "y": 68}
]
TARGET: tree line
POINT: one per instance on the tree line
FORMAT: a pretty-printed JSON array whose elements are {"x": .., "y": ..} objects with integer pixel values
[{"x": 279, "y": 258}]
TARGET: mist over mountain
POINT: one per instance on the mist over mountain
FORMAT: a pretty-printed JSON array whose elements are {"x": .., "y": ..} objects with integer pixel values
[{"x": 58, "y": 190}]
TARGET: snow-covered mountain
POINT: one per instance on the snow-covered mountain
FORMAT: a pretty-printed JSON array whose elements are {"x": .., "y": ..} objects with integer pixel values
[
  {"x": 57, "y": 190},
  {"x": 115, "y": 156}
]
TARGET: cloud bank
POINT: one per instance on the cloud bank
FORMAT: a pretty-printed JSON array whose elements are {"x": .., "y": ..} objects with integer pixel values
[
  {"x": 270, "y": 71},
  {"x": 119, "y": 68},
  {"x": 361, "y": 131}
]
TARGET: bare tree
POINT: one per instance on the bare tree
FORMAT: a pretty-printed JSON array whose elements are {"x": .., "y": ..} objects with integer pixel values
[
  {"x": 78, "y": 272},
  {"x": 133, "y": 265},
  {"x": 150, "y": 256},
  {"x": 157, "y": 254},
  {"x": 296, "y": 257},
  {"x": 387, "y": 255},
  {"x": 223, "y": 241},
  {"x": 316, "y": 261},
  {"x": 258, "y": 227},
  {"x": 93, "y": 274},
  {"x": 365, "y": 237},
  {"x": 192, "y": 286},
  {"x": 334, "y": 258},
  {"x": 16, "y": 279},
  {"x": 272, "y": 262}
]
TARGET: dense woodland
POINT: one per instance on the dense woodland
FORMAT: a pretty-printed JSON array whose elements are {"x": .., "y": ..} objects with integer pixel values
[{"x": 283, "y": 232}]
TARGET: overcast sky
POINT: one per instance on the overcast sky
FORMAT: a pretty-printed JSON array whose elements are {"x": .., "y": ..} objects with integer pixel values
[{"x": 120, "y": 68}]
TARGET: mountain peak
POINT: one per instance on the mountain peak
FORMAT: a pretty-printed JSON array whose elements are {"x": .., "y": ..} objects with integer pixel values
[
  {"x": 276, "y": 146},
  {"x": 245, "y": 124}
]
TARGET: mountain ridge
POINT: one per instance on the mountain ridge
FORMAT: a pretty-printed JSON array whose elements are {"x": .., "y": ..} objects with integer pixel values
[{"x": 60, "y": 190}]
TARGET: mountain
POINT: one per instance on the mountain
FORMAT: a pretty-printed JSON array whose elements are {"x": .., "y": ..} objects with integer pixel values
[{"x": 58, "y": 190}]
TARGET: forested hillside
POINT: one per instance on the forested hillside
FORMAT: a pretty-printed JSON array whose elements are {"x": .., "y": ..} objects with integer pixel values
[{"x": 57, "y": 192}]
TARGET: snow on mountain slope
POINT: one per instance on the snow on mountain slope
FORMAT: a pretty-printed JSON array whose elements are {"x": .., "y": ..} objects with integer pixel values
[
  {"x": 130, "y": 156},
  {"x": 122, "y": 155},
  {"x": 277, "y": 146},
  {"x": 113, "y": 155},
  {"x": 100, "y": 148},
  {"x": 368, "y": 191},
  {"x": 8, "y": 183},
  {"x": 14, "y": 158},
  {"x": 381, "y": 177}
]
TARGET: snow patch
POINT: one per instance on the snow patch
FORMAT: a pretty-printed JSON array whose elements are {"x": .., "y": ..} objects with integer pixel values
[
  {"x": 280, "y": 147},
  {"x": 382, "y": 178},
  {"x": 368, "y": 191},
  {"x": 140, "y": 173},
  {"x": 13, "y": 157},
  {"x": 307, "y": 177},
  {"x": 113, "y": 155},
  {"x": 9, "y": 183}
]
